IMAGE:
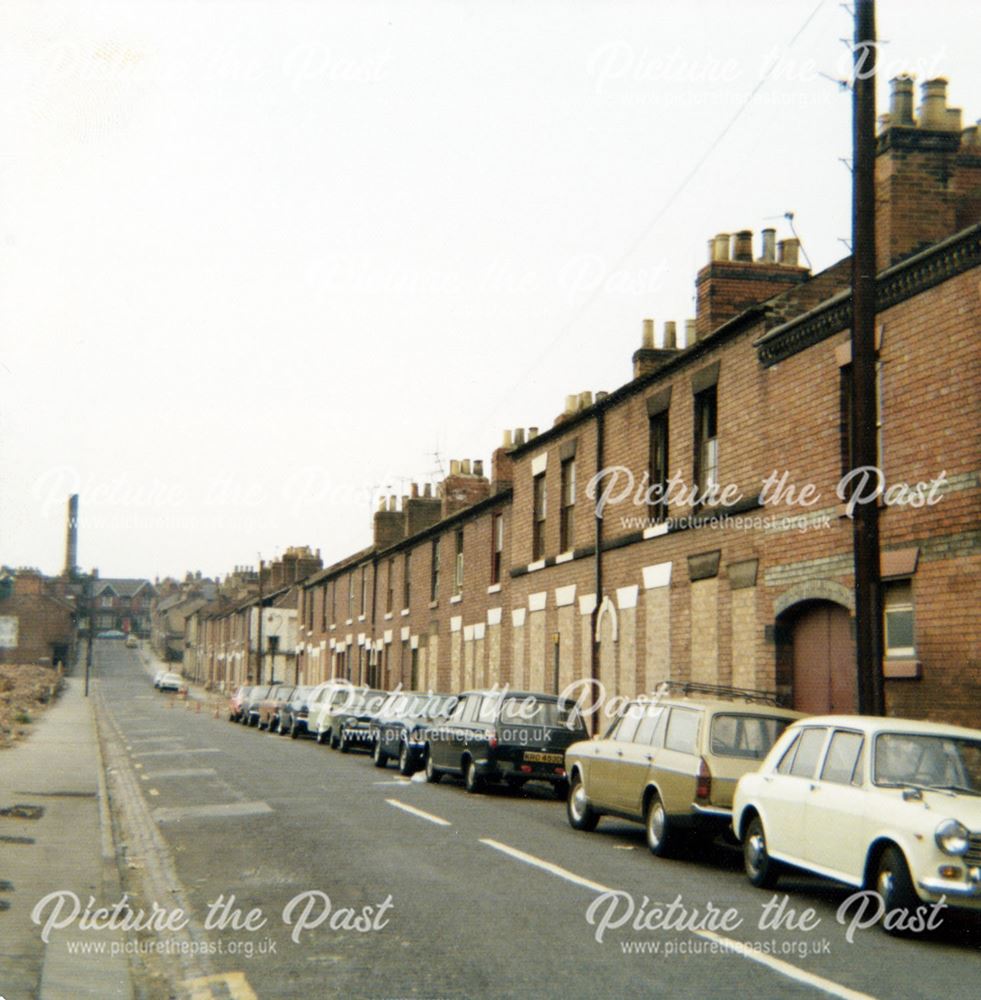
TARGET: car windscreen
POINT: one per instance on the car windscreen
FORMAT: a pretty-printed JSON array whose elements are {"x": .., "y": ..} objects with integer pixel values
[
  {"x": 928, "y": 760},
  {"x": 527, "y": 710},
  {"x": 747, "y": 736}
]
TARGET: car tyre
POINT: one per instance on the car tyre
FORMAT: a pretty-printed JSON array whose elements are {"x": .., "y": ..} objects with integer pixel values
[
  {"x": 343, "y": 743},
  {"x": 761, "y": 870},
  {"x": 433, "y": 774},
  {"x": 472, "y": 781},
  {"x": 657, "y": 827},
  {"x": 895, "y": 887},
  {"x": 378, "y": 755},
  {"x": 405, "y": 759},
  {"x": 581, "y": 814},
  {"x": 294, "y": 733},
  {"x": 323, "y": 737}
]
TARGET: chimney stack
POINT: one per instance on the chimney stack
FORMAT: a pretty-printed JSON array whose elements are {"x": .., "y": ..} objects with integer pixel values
[
  {"x": 769, "y": 254},
  {"x": 71, "y": 541},
  {"x": 648, "y": 358},
  {"x": 787, "y": 252}
]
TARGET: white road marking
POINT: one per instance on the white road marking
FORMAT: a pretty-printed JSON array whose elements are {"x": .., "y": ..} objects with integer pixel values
[
  {"x": 402, "y": 781},
  {"x": 735, "y": 947},
  {"x": 418, "y": 812},
  {"x": 217, "y": 811},
  {"x": 187, "y": 772},
  {"x": 153, "y": 791},
  {"x": 174, "y": 753},
  {"x": 230, "y": 984},
  {"x": 530, "y": 859},
  {"x": 785, "y": 968}
]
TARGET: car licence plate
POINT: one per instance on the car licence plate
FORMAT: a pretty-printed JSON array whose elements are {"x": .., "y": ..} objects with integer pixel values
[{"x": 534, "y": 757}]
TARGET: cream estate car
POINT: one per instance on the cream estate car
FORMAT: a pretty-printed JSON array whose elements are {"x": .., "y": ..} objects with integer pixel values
[
  {"x": 672, "y": 762},
  {"x": 884, "y": 804}
]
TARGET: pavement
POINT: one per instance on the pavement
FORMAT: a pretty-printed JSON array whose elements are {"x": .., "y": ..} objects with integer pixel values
[{"x": 63, "y": 843}]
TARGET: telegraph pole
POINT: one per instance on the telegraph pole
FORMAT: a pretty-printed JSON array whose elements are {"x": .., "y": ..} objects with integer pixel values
[{"x": 864, "y": 433}]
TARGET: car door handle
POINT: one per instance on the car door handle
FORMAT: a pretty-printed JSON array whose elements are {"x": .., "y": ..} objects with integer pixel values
[
  {"x": 619, "y": 753},
  {"x": 650, "y": 758}
]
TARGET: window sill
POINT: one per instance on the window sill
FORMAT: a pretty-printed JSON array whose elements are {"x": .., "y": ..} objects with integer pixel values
[
  {"x": 902, "y": 669},
  {"x": 348, "y": 621},
  {"x": 388, "y": 616},
  {"x": 360, "y": 618},
  {"x": 434, "y": 604},
  {"x": 532, "y": 567},
  {"x": 405, "y": 612},
  {"x": 494, "y": 588},
  {"x": 656, "y": 530},
  {"x": 456, "y": 598},
  {"x": 564, "y": 557}
]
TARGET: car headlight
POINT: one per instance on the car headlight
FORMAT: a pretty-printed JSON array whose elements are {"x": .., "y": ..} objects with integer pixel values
[{"x": 953, "y": 837}]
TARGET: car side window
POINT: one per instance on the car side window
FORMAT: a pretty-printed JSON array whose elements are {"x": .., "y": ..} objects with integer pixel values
[
  {"x": 470, "y": 709},
  {"x": 489, "y": 706},
  {"x": 808, "y": 752},
  {"x": 787, "y": 760},
  {"x": 457, "y": 714},
  {"x": 843, "y": 758},
  {"x": 629, "y": 723},
  {"x": 648, "y": 725},
  {"x": 682, "y": 732}
]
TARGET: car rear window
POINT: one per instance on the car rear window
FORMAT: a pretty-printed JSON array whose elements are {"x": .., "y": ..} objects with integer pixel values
[
  {"x": 531, "y": 711},
  {"x": 747, "y": 736},
  {"x": 682, "y": 734}
]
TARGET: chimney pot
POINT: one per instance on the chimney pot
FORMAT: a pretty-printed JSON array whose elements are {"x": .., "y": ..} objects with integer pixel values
[
  {"x": 901, "y": 101},
  {"x": 381, "y": 504},
  {"x": 787, "y": 252},
  {"x": 478, "y": 467},
  {"x": 933, "y": 106},
  {"x": 507, "y": 441},
  {"x": 427, "y": 490},
  {"x": 519, "y": 436},
  {"x": 415, "y": 491},
  {"x": 670, "y": 335},
  {"x": 585, "y": 399},
  {"x": 532, "y": 432},
  {"x": 570, "y": 404},
  {"x": 454, "y": 467},
  {"x": 690, "y": 335},
  {"x": 647, "y": 338},
  {"x": 465, "y": 467},
  {"x": 601, "y": 395},
  {"x": 742, "y": 245},
  {"x": 720, "y": 250},
  {"x": 769, "y": 254}
]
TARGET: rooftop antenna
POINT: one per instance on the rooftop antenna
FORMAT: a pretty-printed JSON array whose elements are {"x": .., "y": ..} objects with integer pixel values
[{"x": 789, "y": 216}]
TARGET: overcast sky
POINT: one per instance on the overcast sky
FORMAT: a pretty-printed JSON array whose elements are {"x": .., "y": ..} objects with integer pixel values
[{"x": 262, "y": 261}]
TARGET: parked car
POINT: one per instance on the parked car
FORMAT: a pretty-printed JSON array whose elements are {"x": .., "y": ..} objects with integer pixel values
[
  {"x": 326, "y": 708},
  {"x": 504, "y": 736},
  {"x": 293, "y": 717},
  {"x": 250, "y": 709},
  {"x": 236, "y": 703},
  {"x": 305, "y": 717},
  {"x": 672, "y": 763},
  {"x": 131, "y": 641},
  {"x": 111, "y": 633},
  {"x": 171, "y": 682},
  {"x": 157, "y": 677},
  {"x": 345, "y": 703},
  {"x": 885, "y": 804},
  {"x": 269, "y": 707},
  {"x": 356, "y": 717},
  {"x": 398, "y": 731}
]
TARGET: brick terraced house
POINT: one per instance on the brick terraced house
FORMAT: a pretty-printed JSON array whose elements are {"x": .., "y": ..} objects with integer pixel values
[{"x": 739, "y": 569}]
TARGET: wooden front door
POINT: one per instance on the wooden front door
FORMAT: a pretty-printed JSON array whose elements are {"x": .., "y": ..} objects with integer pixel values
[{"x": 824, "y": 660}]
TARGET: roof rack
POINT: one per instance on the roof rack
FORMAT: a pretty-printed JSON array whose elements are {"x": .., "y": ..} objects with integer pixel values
[{"x": 722, "y": 690}]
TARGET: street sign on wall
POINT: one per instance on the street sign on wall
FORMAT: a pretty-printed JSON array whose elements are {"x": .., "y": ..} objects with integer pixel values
[{"x": 8, "y": 631}]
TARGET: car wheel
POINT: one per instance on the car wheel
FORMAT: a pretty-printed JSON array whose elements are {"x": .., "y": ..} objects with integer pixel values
[
  {"x": 580, "y": 812},
  {"x": 895, "y": 887},
  {"x": 378, "y": 755},
  {"x": 761, "y": 869},
  {"x": 472, "y": 781},
  {"x": 657, "y": 827},
  {"x": 405, "y": 760},
  {"x": 335, "y": 742},
  {"x": 323, "y": 737},
  {"x": 294, "y": 733},
  {"x": 433, "y": 774}
]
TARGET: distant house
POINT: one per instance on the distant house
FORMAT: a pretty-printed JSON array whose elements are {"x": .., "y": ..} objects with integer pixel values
[
  {"x": 36, "y": 626},
  {"x": 122, "y": 604}
]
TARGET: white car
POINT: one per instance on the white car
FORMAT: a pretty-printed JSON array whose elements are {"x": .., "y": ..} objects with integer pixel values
[
  {"x": 171, "y": 682},
  {"x": 158, "y": 677},
  {"x": 881, "y": 804},
  {"x": 326, "y": 702}
]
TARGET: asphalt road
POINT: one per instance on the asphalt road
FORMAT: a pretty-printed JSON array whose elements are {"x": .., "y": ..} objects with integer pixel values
[{"x": 458, "y": 895}]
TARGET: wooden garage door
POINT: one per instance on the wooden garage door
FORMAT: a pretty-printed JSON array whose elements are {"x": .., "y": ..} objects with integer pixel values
[{"x": 824, "y": 660}]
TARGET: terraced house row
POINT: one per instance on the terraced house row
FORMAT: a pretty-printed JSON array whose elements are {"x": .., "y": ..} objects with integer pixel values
[{"x": 691, "y": 525}]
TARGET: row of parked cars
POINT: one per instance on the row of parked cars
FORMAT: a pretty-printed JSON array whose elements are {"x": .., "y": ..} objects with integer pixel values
[{"x": 880, "y": 803}]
